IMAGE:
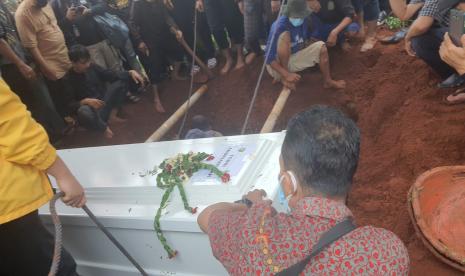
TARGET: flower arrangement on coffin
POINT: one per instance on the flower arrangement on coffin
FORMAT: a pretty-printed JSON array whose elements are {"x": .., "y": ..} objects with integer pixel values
[{"x": 175, "y": 172}]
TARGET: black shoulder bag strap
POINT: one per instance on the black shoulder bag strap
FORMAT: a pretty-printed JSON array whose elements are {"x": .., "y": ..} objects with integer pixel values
[{"x": 332, "y": 235}]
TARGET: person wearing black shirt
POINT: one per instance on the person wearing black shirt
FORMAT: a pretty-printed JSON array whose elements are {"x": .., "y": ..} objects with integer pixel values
[
  {"x": 332, "y": 21},
  {"x": 153, "y": 28},
  {"x": 76, "y": 20},
  {"x": 96, "y": 93}
]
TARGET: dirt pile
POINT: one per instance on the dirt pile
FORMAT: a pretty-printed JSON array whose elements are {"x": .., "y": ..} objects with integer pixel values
[{"x": 406, "y": 130}]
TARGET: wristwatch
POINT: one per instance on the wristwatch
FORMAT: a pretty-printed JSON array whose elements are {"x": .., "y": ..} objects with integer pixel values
[{"x": 245, "y": 201}]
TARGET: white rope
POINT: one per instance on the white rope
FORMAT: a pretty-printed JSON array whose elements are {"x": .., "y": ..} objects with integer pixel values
[
  {"x": 191, "y": 88},
  {"x": 257, "y": 86}
]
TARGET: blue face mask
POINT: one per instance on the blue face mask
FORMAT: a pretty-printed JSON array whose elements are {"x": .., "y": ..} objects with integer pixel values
[
  {"x": 283, "y": 200},
  {"x": 296, "y": 22}
]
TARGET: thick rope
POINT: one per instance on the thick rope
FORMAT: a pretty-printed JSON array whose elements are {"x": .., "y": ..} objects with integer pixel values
[
  {"x": 59, "y": 241},
  {"x": 191, "y": 88},
  {"x": 262, "y": 71},
  {"x": 58, "y": 235}
]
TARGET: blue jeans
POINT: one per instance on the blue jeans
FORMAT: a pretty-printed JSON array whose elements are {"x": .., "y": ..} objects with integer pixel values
[
  {"x": 426, "y": 47},
  {"x": 321, "y": 30}
]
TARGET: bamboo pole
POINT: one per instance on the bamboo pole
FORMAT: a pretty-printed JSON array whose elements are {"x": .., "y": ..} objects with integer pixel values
[
  {"x": 197, "y": 59},
  {"x": 276, "y": 111},
  {"x": 168, "y": 124}
]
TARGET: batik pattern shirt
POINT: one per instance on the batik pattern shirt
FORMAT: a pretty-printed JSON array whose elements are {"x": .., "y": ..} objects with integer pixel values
[{"x": 260, "y": 241}]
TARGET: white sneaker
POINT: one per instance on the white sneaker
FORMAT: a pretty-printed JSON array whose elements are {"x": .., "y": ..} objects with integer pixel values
[{"x": 211, "y": 63}]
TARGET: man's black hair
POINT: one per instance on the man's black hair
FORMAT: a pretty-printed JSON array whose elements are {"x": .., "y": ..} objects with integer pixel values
[
  {"x": 78, "y": 53},
  {"x": 322, "y": 148},
  {"x": 201, "y": 122}
]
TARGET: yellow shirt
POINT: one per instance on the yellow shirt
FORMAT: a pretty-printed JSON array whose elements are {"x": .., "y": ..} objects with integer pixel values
[
  {"x": 25, "y": 153},
  {"x": 38, "y": 28}
]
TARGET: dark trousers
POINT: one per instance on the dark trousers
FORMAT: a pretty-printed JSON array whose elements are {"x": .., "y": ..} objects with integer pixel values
[
  {"x": 163, "y": 49},
  {"x": 93, "y": 119},
  {"x": 426, "y": 47},
  {"x": 26, "y": 249},
  {"x": 58, "y": 91},
  {"x": 35, "y": 95},
  {"x": 183, "y": 14},
  {"x": 255, "y": 14},
  {"x": 224, "y": 17}
]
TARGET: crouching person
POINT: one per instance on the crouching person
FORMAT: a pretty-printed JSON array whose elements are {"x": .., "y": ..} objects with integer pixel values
[
  {"x": 290, "y": 49},
  {"x": 97, "y": 93},
  {"x": 26, "y": 157},
  {"x": 319, "y": 157}
]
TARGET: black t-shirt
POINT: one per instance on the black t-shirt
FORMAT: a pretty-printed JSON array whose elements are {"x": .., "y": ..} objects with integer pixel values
[{"x": 333, "y": 11}]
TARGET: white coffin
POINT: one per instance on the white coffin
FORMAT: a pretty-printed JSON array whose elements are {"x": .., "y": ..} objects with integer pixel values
[{"x": 126, "y": 203}]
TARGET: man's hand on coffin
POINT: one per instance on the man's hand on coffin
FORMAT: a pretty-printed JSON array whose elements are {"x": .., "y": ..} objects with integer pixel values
[{"x": 256, "y": 196}]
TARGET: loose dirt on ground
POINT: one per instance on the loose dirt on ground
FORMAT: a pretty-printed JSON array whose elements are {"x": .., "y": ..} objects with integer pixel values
[{"x": 406, "y": 129}]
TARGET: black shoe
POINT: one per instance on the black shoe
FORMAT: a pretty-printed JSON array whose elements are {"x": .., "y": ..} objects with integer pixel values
[{"x": 452, "y": 82}]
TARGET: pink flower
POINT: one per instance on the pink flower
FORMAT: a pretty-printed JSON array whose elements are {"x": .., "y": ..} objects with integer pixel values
[
  {"x": 194, "y": 210},
  {"x": 210, "y": 157},
  {"x": 226, "y": 178},
  {"x": 168, "y": 168}
]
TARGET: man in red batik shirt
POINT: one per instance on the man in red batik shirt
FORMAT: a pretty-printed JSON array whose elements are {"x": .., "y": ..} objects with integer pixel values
[{"x": 319, "y": 157}]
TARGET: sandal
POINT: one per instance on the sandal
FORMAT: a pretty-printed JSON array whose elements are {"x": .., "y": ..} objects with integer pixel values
[
  {"x": 396, "y": 38},
  {"x": 455, "y": 94}
]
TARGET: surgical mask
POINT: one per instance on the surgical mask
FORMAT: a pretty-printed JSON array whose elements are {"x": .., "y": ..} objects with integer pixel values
[
  {"x": 283, "y": 199},
  {"x": 296, "y": 22}
]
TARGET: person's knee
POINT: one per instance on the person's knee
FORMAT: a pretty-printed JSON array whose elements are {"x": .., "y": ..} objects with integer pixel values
[{"x": 418, "y": 44}]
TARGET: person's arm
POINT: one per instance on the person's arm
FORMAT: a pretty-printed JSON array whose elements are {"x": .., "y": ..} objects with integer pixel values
[
  {"x": 8, "y": 53},
  {"x": 40, "y": 61},
  {"x": 420, "y": 26},
  {"x": 66, "y": 16},
  {"x": 27, "y": 34},
  {"x": 67, "y": 183},
  {"x": 332, "y": 38},
  {"x": 453, "y": 55},
  {"x": 134, "y": 28},
  {"x": 222, "y": 207},
  {"x": 404, "y": 11},
  {"x": 225, "y": 208},
  {"x": 23, "y": 141}
]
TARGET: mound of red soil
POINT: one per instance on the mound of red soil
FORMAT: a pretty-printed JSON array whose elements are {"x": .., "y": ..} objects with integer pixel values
[{"x": 406, "y": 130}]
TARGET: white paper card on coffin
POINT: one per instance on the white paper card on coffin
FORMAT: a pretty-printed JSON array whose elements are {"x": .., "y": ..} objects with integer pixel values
[{"x": 126, "y": 204}]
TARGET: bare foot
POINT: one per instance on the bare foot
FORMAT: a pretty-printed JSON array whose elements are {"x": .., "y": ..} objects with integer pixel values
[
  {"x": 239, "y": 65},
  {"x": 250, "y": 58},
  {"x": 369, "y": 44},
  {"x": 338, "y": 84},
  {"x": 117, "y": 120},
  {"x": 159, "y": 107},
  {"x": 227, "y": 67},
  {"x": 108, "y": 133}
]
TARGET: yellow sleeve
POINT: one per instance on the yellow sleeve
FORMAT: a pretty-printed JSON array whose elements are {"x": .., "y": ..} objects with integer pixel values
[{"x": 22, "y": 140}]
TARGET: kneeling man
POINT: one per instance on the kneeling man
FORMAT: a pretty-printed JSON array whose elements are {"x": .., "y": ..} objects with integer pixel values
[{"x": 291, "y": 51}]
